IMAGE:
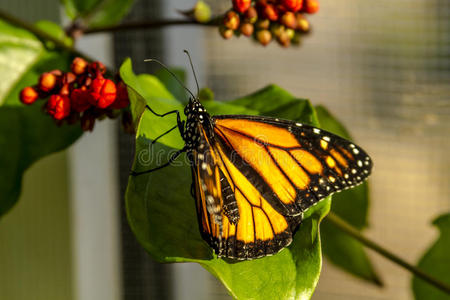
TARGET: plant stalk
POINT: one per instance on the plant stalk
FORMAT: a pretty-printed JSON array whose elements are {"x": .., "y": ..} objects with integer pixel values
[
  {"x": 353, "y": 232},
  {"x": 150, "y": 25}
]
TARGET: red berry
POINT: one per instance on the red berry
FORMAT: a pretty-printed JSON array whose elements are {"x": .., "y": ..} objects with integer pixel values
[
  {"x": 47, "y": 82},
  {"x": 79, "y": 65},
  {"x": 270, "y": 12},
  {"x": 311, "y": 6},
  {"x": 96, "y": 67},
  {"x": 241, "y": 5},
  {"x": 292, "y": 5},
  {"x": 231, "y": 20},
  {"x": 103, "y": 92},
  {"x": 58, "y": 106},
  {"x": 28, "y": 95},
  {"x": 122, "y": 99},
  {"x": 80, "y": 99}
]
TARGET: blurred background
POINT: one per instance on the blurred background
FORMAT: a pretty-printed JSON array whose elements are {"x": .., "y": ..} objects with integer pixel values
[{"x": 382, "y": 67}]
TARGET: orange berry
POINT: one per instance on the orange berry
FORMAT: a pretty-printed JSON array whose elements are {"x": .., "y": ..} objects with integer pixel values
[
  {"x": 28, "y": 95},
  {"x": 264, "y": 37},
  {"x": 270, "y": 12},
  {"x": 68, "y": 77},
  {"x": 311, "y": 6},
  {"x": 284, "y": 39},
  {"x": 289, "y": 20},
  {"x": 247, "y": 29},
  {"x": 65, "y": 90},
  {"x": 225, "y": 32},
  {"x": 302, "y": 23},
  {"x": 231, "y": 20},
  {"x": 79, "y": 65},
  {"x": 47, "y": 82},
  {"x": 292, "y": 5}
]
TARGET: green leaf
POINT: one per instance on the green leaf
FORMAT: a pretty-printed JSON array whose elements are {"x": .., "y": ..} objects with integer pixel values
[
  {"x": 54, "y": 30},
  {"x": 19, "y": 50},
  {"x": 436, "y": 262},
  {"x": 162, "y": 213},
  {"x": 97, "y": 13},
  {"x": 26, "y": 133},
  {"x": 352, "y": 206},
  {"x": 174, "y": 87}
]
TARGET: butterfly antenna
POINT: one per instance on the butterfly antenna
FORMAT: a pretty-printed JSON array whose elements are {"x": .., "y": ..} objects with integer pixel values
[
  {"x": 193, "y": 71},
  {"x": 171, "y": 73}
]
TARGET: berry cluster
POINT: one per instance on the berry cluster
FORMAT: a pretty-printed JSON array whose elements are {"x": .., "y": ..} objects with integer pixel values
[
  {"x": 83, "y": 94},
  {"x": 268, "y": 19}
]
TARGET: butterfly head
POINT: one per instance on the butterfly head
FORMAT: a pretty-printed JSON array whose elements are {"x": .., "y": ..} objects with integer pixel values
[{"x": 195, "y": 111}]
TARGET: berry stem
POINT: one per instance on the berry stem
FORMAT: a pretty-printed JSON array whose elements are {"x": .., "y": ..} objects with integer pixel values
[{"x": 353, "y": 232}]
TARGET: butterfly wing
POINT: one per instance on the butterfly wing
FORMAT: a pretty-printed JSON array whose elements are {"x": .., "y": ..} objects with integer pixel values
[
  {"x": 234, "y": 217},
  {"x": 261, "y": 174},
  {"x": 293, "y": 165}
]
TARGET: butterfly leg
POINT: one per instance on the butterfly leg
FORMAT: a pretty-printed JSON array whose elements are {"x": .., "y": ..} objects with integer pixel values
[
  {"x": 180, "y": 123},
  {"x": 180, "y": 126},
  {"x": 171, "y": 160}
]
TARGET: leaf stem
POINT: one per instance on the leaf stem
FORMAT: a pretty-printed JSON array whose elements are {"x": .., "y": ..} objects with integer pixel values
[{"x": 350, "y": 230}]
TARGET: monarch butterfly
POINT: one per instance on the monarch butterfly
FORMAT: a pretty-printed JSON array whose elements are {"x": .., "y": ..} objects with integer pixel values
[{"x": 253, "y": 177}]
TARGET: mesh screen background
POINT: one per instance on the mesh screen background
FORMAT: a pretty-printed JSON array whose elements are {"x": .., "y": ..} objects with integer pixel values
[{"x": 383, "y": 69}]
